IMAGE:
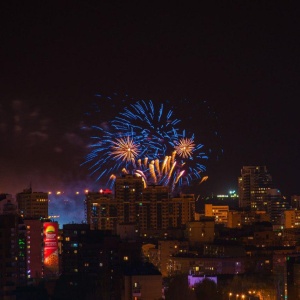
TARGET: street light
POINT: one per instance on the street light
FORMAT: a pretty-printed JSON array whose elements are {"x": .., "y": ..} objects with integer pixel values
[
  {"x": 251, "y": 292},
  {"x": 229, "y": 296}
]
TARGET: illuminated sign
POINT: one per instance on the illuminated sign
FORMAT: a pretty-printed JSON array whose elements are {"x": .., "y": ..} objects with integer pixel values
[{"x": 50, "y": 233}]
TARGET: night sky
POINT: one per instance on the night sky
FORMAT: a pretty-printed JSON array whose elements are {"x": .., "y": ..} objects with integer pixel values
[{"x": 236, "y": 63}]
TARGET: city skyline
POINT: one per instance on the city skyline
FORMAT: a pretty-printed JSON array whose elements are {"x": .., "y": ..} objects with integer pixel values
[{"x": 236, "y": 65}]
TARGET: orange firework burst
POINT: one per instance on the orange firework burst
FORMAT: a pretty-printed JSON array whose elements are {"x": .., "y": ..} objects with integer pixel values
[
  {"x": 185, "y": 147},
  {"x": 125, "y": 149}
]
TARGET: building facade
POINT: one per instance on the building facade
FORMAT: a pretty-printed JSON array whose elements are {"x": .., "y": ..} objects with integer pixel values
[
  {"x": 13, "y": 255},
  {"x": 219, "y": 212},
  {"x": 33, "y": 204},
  {"x": 253, "y": 185},
  {"x": 34, "y": 237},
  {"x": 101, "y": 210}
]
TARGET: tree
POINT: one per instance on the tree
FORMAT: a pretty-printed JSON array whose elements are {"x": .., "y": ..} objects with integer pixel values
[
  {"x": 178, "y": 289},
  {"x": 207, "y": 289}
]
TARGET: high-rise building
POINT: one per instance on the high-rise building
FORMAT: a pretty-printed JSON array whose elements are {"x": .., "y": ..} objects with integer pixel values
[
  {"x": 101, "y": 210},
  {"x": 34, "y": 237},
  {"x": 12, "y": 254},
  {"x": 91, "y": 254},
  {"x": 153, "y": 209},
  {"x": 181, "y": 210},
  {"x": 276, "y": 205},
  {"x": 128, "y": 195},
  {"x": 253, "y": 185},
  {"x": 33, "y": 204}
]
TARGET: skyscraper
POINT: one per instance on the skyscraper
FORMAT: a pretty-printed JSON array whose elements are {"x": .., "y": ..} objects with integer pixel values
[
  {"x": 128, "y": 195},
  {"x": 101, "y": 210},
  {"x": 153, "y": 210},
  {"x": 253, "y": 185}
]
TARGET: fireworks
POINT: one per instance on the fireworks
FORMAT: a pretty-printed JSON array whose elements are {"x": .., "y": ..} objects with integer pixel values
[
  {"x": 152, "y": 128},
  {"x": 146, "y": 140},
  {"x": 125, "y": 149},
  {"x": 185, "y": 147}
]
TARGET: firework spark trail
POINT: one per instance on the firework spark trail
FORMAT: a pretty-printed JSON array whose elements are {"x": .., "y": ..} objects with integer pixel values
[
  {"x": 156, "y": 162},
  {"x": 152, "y": 171}
]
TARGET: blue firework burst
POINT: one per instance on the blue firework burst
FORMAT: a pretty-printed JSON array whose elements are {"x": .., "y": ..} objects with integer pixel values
[{"x": 154, "y": 129}]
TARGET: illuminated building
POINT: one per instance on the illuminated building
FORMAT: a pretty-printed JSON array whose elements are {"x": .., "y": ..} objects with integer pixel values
[
  {"x": 92, "y": 254},
  {"x": 12, "y": 254},
  {"x": 128, "y": 195},
  {"x": 234, "y": 219},
  {"x": 251, "y": 217},
  {"x": 50, "y": 249},
  {"x": 195, "y": 279},
  {"x": 32, "y": 204},
  {"x": 276, "y": 205},
  {"x": 101, "y": 210},
  {"x": 293, "y": 277},
  {"x": 182, "y": 210},
  {"x": 167, "y": 248},
  {"x": 145, "y": 208},
  {"x": 253, "y": 185},
  {"x": 201, "y": 231},
  {"x": 153, "y": 208},
  {"x": 295, "y": 201},
  {"x": 190, "y": 263},
  {"x": 291, "y": 218},
  {"x": 219, "y": 212},
  {"x": 34, "y": 237}
]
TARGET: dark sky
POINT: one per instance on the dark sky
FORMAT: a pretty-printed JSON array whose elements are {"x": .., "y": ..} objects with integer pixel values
[{"x": 241, "y": 57}]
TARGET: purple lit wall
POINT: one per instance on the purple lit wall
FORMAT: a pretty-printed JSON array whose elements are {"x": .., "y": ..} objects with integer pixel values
[{"x": 193, "y": 280}]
